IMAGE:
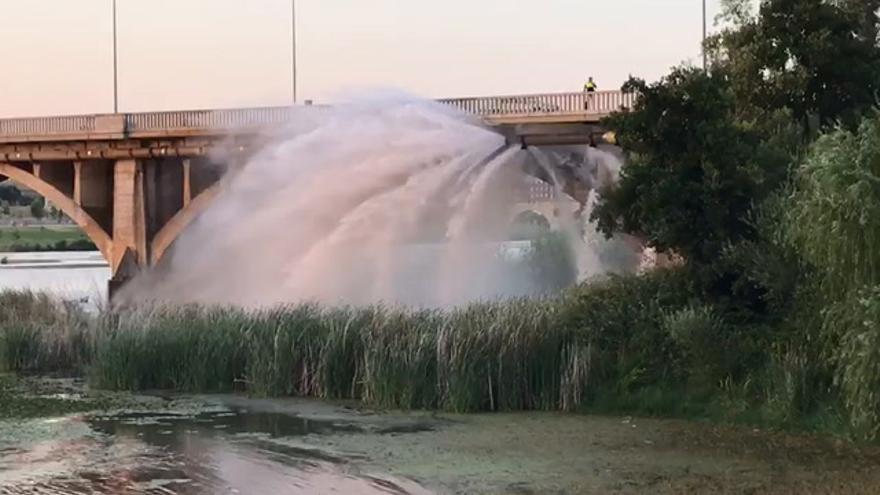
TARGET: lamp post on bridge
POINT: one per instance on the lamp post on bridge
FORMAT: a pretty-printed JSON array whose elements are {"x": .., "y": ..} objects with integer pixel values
[
  {"x": 704, "y": 35},
  {"x": 115, "y": 62},
  {"x": 292, "y": 47}
]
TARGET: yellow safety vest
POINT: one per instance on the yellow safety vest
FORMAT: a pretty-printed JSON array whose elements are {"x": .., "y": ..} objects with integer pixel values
[{"x": 590, "y": 86}]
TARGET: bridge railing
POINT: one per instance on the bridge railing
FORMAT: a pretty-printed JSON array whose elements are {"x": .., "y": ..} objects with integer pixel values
[
  {"x": 574, "y": 105},
  {"x": 47, "y": 125},
  {"x": 599, "y": 102},
  {"x": 206, "y": 119}
]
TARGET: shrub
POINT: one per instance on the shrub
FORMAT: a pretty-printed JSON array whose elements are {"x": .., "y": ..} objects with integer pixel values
[
  {"x": 621, "y": 320},
  {"x": 858, "y": 358},
  {"x": 707, "y": 347},
  {"x": 551, "y": 263}
]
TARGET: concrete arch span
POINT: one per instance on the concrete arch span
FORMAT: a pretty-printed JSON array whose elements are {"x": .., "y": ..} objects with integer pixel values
[
  {"x": 180, "y": 221},
  {"x": 80, "y": 217}
]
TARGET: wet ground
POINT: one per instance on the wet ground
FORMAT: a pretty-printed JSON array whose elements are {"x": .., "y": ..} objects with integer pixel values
[{"x": 238, "y": 445}]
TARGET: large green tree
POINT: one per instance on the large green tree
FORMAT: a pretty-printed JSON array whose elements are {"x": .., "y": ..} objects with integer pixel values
[
  {"x": 817, "y": 58},
  {"x": 693, "y": 170}
]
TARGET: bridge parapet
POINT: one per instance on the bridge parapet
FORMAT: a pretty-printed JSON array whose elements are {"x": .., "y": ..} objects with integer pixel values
[
  {"x": 202, "y": 120},
  {"x": 23, "y": 128},
  {"x": 550, "y": 108}
]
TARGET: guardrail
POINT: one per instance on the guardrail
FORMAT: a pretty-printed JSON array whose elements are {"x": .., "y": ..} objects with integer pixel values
[
  {"x": 575, "y": 105},
  {"x": 47, "y": 125},
  {"x": 599, "y": 103},
  {"x": 206, "y": 119}
]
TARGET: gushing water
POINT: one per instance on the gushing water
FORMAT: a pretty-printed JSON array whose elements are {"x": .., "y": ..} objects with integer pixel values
[{"x": 398, "y": 201}]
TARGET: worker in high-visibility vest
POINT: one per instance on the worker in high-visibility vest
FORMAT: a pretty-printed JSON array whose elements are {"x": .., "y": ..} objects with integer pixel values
[
  {"x": 590, "y": 86},
  {"x": 589, "y": 89}
]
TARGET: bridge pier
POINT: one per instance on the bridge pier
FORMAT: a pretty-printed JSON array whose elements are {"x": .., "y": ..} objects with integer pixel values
[
  {"x": 131, "y": 208},
  {"x": 129, "y": 221}
]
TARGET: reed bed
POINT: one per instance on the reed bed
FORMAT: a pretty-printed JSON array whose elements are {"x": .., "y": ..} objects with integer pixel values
[{"x": 519, "y": 354}]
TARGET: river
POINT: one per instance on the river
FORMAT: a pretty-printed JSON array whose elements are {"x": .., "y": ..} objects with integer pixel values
[
  {"x": 70, "y": 275},
  {"x": 236, "y": 444}
]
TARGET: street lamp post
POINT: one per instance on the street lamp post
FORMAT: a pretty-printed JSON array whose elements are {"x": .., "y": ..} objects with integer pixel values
[
  {"x": 704, "y": 35},
  {"x": 115, "y": 62},
  {"x": 293, "y": 46}
]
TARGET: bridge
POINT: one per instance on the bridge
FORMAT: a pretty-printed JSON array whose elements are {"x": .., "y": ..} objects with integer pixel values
[{"x": 134, "y": 181}]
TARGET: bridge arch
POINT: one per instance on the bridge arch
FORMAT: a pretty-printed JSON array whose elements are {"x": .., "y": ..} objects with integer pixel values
[
  {"x": 549, "y": 211},
  {"x": 80, "y": 217},
  {"x": 180, "y": 221}
]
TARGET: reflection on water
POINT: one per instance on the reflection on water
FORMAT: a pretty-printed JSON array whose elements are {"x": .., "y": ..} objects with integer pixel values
[
  {"x": 211, "y": 452},
  {"x": 70, "y": 275}
]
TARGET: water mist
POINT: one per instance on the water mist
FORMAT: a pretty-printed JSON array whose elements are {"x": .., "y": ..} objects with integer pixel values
[{"x": 387, "y": 200}]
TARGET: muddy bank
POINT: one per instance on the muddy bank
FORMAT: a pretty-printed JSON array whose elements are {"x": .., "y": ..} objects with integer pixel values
[{"x": 88, "y": 442}]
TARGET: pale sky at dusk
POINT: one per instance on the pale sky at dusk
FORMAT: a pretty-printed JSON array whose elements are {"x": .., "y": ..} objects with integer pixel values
[{"x": 183, "y": 54}]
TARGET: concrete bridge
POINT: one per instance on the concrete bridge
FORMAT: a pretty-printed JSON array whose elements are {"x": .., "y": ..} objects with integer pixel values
[{"x": 133, "y": 182}]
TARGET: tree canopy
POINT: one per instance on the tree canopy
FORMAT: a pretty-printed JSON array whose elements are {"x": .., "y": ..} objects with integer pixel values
[
  {"x": 693, "y": 170},
  {"x": 816, "y": 58}
]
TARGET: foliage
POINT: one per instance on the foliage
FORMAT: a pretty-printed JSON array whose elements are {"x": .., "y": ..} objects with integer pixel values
[
  {"x": 620, "y": 320},
  {"x": 817, "y": 58},
  {"x": 38, "y": 208},
  {"x": 11, "y": 195},
  {"x": 693, "y": 173},
  {"x": 506, "y": 355},
  {"x": 699, "y": 334},
  {"x": 490, "y": 356},
  {"x": 38, "y": 333},
  {"x": 858, "y": 358},
  {"x": 551, "y": 262},
  {"x": 834, "y": 214},
  {"x": 28, "y": 239},
  {"x": 831, "y": 220}
]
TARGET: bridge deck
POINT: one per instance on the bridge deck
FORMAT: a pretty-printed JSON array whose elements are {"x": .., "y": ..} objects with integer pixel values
[{"x": 558, "y": 108}]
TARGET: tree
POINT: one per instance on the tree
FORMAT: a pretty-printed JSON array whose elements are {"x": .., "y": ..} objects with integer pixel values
[
  {"x": 10, "y": 194},
  {"x": 552, "y": 263},
  {"x": 38, "y": 208},
  {"x": 819, "y": 59},
  {"x": 866, "y": 12},
  {"x": 693, "y": 171}
]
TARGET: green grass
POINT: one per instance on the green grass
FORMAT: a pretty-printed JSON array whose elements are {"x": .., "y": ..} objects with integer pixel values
[{"x": 42, "y": 238}]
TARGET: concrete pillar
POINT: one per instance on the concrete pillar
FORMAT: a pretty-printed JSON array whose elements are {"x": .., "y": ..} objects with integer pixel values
[
  {"x": 129, "y": 222},
  {"x": 77, "y": 183},
  {"x": 187, "y": 186}
]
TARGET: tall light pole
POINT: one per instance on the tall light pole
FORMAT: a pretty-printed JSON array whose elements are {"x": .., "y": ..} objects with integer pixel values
[
  {"x": 704, "y": 35},
  {"x": 115, "y": 63},
  {"x": 292, "y": 46}
]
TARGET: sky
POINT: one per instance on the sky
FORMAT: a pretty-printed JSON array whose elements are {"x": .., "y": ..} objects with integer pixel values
[{"x": 57, "y": 55}]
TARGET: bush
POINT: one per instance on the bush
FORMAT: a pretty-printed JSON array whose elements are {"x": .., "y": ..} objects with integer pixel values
[
  {"x": 621, "y": 320},
  {"x": 833, "y": 222},
  {"x": 38, "y": 208},
  {"x": 699, "y": 335},
  {"x": 857, "y": 319},
  {"x": 552, "y": 263}
]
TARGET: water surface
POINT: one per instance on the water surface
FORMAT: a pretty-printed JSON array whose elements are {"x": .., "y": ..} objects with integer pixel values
[{"x": 69, "y": 275}]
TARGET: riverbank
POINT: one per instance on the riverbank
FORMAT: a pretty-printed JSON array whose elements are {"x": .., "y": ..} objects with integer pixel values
[
  {"x": 207, "y": 444},
  {"x": 44, "y": 238},
  {"x": 625, "y": 346}
]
